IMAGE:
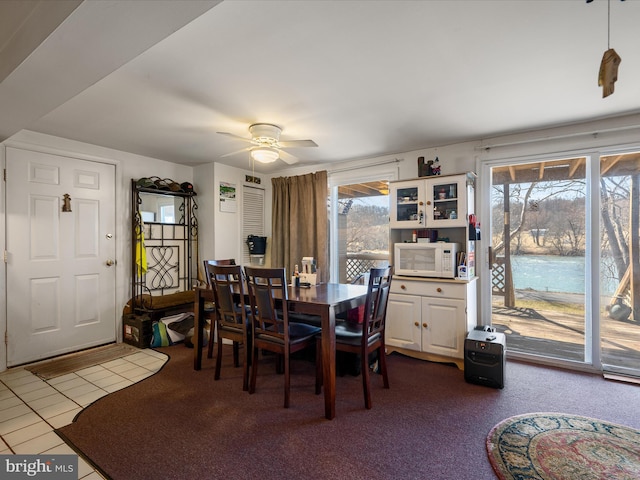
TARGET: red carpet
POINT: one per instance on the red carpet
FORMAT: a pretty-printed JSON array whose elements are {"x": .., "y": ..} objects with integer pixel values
[{"x": 430, "y": 424}]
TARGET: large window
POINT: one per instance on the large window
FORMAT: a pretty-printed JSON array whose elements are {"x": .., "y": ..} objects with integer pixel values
[{"x": 359, "y": 217}]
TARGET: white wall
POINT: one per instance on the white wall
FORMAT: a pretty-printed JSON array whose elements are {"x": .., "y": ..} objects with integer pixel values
[
  {"x": 3, "y": 269},
  {"x": 220, "y": 233}
]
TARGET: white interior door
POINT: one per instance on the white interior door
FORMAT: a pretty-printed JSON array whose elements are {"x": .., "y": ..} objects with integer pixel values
[{"x": 60, "y": 255}]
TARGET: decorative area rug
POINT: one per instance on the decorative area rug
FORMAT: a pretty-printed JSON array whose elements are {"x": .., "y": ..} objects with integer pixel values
[
  {"x": 77, "y": 361},
  {"x": 559, "y": 446}
]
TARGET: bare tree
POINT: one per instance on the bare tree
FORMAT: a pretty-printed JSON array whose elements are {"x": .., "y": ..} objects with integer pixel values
[
  {"x": 612, "y": 193},
  {"x": 531, "y": 207},
  {"x": 368, "y": 227},
  {"x": 517, "y": 190},
  {"x": 567, "y": 227}
]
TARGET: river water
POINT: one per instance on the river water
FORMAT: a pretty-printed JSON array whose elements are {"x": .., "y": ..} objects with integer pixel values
[{"x": 550, "y": 273}]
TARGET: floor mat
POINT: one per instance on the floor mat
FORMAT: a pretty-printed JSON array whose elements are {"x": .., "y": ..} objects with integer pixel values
[
  {"x": 77, "y": 361},
  {"x": 546, "y": 446}
]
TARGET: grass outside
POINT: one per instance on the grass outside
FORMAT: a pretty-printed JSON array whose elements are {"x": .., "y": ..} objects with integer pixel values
[{"x": 558, "y": 307}]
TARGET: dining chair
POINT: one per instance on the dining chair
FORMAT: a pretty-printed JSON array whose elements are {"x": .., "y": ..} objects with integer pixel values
[
  {"x": 226, "y": 261},
  {"x": 209, "y": 307},
  {"x": 272, "y": 330},
  {"x": 231, "y": 318},
  {"x": 366, "y": 337}
]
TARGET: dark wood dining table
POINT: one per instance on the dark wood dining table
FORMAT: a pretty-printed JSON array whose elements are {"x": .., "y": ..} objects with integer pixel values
[{"x": 325, "y": 300}]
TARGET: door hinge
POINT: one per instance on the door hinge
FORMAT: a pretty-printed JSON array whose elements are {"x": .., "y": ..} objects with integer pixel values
[
  {"x": 4, "y": 256},
  {"x": 6, "y": 338}
]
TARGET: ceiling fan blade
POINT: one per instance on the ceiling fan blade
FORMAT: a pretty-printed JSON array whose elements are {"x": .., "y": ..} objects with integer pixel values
[
  {"x": 236, "y": 152},
  {"x": 287, "y": 157},
  {"x": 298, "y": 143},
  {"x": 237, "y": 137}
]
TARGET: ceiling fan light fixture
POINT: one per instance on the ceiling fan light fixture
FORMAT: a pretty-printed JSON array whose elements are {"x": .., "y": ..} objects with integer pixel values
[
  {"x": 264, "y": 154},
  {"x": 265, "y": 132}
]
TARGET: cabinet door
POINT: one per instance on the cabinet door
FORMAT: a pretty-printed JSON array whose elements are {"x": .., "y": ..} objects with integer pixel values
[
  {"x": 403, "y": 321},
  {"x": 407, "y": 204},
  {"x": 446, "y": 201},
  {"x": 443, "y": 326}
]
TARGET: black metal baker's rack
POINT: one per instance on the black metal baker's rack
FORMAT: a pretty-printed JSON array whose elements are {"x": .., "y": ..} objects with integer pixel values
[{"x": 171, "y": 248}]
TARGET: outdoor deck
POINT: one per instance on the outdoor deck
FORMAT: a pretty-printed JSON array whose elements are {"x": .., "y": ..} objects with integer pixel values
[{"x": 549, "y": 332}]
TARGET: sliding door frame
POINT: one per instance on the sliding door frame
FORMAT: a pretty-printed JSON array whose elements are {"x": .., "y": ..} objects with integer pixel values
[
  {"x": 592, "y": 255},
  {"x": 620, "y": 141}
]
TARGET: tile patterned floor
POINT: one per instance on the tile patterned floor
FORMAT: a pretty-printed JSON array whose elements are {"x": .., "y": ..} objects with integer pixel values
[{"x": 31, "y": 408}]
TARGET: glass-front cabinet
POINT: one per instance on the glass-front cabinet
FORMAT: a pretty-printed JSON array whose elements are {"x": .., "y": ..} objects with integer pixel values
[
  {"x": 432, "y": 202},
  {"x": 407, "y": 207},
  {"x": 449, "y": 200}
]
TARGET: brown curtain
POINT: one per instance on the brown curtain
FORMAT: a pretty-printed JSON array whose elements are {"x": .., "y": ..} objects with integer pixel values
[{"x": 299, "y": 224}]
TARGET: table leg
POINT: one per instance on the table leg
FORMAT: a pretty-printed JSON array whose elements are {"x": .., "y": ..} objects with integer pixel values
[
  {"x": 329, "y": 362},
  {"x": 198, "y": 331}
]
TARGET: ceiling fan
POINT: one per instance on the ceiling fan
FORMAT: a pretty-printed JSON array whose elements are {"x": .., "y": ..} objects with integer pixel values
[{"x": 266, "y": 145}]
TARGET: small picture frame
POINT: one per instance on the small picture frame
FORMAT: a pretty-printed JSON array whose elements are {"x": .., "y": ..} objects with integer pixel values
[{"x": 227, "y": 197}]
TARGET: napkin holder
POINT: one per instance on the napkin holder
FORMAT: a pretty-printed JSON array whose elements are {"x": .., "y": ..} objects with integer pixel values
[{"x": 310, "y": 278}]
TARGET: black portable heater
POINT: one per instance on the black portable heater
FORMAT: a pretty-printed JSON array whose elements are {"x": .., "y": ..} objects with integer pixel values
[{"x": 484, "y": 357}]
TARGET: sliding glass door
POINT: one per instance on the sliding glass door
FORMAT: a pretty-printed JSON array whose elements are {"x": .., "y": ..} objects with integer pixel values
[
  {"x": 362, "y": 230},
  {"x": 565, "y": 273},
  {"x": 359, "y": 217},
  {"x": 538, "y": 237},
  {"x": 620, "y": 263}
]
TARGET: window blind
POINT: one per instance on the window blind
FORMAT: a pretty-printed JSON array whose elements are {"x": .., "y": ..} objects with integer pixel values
[{"x": 252, "y": 217}]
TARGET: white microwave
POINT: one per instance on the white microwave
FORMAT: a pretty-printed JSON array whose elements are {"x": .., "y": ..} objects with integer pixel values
[{"x": 437, "y": 259}]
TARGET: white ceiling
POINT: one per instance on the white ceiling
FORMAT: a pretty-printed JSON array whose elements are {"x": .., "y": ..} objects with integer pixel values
[{"x": 360, "y": 78}]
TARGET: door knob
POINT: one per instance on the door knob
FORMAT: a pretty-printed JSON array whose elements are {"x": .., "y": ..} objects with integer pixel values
[
  {"x": 425, "y": 325},
  {"x": 417, "y": 324},
  {"x": 110, "y": 262}
]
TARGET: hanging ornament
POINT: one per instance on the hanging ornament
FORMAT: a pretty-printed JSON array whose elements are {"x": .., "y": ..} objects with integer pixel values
[{"x": 608, "y": 73}]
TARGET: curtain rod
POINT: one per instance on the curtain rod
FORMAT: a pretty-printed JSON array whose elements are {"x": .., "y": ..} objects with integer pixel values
[
  {"x": 348, "y": 169},
  {"x": 593, "y": 133}
]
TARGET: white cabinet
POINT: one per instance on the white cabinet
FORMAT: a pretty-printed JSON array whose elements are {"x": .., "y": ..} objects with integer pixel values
[
  {"x": 432, "y": 202},
  {"x": 443, "y": 319},
  {"x": 430, "y": 319},
  {"x": 407, "y": 204},
  {"x": 449, "y": 201},
  {"x": 404, "y": 316}
]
